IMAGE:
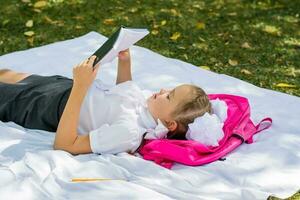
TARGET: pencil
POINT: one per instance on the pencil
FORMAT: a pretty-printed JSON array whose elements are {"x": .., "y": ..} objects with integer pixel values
[{"x": 93, "y": 179}]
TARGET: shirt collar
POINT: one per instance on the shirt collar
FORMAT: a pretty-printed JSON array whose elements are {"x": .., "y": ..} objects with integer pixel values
[{"x": 146, "y": 118}]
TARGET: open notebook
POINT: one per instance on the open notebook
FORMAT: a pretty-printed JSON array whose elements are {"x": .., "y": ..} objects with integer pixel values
[{"x": 120, "y": 40}]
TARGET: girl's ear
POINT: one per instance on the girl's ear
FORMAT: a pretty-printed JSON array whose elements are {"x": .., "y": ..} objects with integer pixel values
[{"x": 172, "y": 125}]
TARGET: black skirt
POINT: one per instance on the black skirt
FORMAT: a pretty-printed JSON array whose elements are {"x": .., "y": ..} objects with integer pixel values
[{"x": 36, "y": 102}]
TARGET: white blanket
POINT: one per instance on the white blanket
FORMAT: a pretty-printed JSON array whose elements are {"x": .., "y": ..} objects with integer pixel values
[{"x": 30, "y": 169}]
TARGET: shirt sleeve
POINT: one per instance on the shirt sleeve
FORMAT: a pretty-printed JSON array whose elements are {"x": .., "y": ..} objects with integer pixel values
[{"x": 114, "y": 138}]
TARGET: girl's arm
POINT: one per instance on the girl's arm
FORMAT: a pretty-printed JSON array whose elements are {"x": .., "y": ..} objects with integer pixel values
[
  {"x": 66, "y": 137},
  {"x": 124, "y": 67}
]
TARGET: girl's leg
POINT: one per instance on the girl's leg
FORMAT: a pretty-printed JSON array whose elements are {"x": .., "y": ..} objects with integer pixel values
[{"x": 10, "y": 76}]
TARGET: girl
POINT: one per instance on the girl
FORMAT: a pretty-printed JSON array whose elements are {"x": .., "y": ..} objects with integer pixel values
[{"x": 89, "y": 117}]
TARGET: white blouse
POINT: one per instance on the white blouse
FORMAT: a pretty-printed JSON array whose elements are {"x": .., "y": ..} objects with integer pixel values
[{"x": 115, "y": 117}]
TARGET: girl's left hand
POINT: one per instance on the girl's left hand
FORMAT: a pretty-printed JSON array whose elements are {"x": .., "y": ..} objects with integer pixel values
[{"x": 84, "y": 74}]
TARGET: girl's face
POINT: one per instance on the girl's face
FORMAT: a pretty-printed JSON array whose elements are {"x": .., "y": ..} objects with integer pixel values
[{"x": 161, "y": 104}]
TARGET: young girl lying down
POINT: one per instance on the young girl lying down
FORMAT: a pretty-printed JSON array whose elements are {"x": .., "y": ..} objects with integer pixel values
[{"x": 89, "y": 117}]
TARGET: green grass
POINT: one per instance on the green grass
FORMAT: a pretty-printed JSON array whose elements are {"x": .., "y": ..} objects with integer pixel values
[{"x": 211, "y": 32}]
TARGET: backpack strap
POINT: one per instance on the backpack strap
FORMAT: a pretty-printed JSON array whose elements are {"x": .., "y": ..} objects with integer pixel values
[{"x": 262, "y": 125}]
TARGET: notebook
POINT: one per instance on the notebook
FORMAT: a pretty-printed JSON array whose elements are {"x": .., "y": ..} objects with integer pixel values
[{"x": 120, "y": 40}]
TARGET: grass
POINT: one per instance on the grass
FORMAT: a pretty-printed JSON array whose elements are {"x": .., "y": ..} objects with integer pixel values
[{"x": 256, "y": 41}]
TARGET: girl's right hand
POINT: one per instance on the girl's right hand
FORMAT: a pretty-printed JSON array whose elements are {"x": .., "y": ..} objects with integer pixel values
[{"x": 84, "y": 74}]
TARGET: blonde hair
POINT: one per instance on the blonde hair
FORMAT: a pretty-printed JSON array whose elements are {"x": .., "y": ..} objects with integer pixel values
[{"x": 195, "y": 105}]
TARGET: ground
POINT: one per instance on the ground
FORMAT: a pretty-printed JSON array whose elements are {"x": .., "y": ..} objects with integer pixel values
[{"x": 256, "y": 41}]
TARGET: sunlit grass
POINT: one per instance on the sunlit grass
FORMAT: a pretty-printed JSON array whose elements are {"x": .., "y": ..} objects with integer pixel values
[{"x": 256, "y": 41}]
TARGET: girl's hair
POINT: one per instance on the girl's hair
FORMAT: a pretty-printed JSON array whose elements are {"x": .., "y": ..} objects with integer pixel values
[{"x": 195, "y": 105}]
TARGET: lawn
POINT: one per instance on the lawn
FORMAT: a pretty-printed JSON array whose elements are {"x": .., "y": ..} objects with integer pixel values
[{"x": 256, "y": 41}]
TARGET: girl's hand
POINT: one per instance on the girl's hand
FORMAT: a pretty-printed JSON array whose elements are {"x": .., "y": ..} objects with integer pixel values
[
  {"x": 124, "y": 55},
  {"x": 83, "y": 73}
]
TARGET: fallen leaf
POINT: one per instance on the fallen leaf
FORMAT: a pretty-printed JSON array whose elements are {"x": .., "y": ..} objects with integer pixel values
[
  {"x": 163, "y": 22},
  {"x": 40, "y": 4},
  {"x": 175, "y": 36},
  {"x": 246, "y": 45},
  {"x": 185, "y": 56},
  {"x": 26, "y": 1},
  {"x": 200, "y": 25},
  {"x": 245, "y": 71},
  {"x": 154, "y": 32},
  {"x": 30, "y": 40},
  {"x": 233, "y": 62},
  {"x": 29, "y": 33},
  {"x": 205, "y": 67},
  {"x": 272, "y": 30},
  {"x": 285, "y": 85},
  {"x": 232, "y": 14},
  {"x": 174, "y": 12},
  {"x": 109, "y": 21},
  {"x": 37, "y": 10},
  {"x": 78, "y": 27},
  {"x": 29, "y": 23},
  {"x": 200, "y": 46}
]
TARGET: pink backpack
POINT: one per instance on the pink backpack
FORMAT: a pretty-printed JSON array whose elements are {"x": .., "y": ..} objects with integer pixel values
[{"x": 238, "y": 128}]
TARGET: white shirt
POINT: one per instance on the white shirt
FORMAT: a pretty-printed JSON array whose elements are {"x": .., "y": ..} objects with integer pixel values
[{"x": 115, "y": 117}]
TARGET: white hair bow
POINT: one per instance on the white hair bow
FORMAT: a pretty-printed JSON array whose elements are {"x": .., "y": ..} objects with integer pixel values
[{"x": 208, "y": 129}]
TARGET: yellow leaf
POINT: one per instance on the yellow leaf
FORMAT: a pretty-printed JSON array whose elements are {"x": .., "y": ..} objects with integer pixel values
[
  {"x": 233, "y": 62},
  {"x": 30, "y": 40},
  {"x": 272, "y": 30},
  {"x": 109, "y": 21},
  {"x": 200, "y": 25},
  {"x": 246, "y": 45},
  {"x": 205, "y": 67},
  {"x": 40, "y": 4},
  {"x": 163, "y": 22},
  {"x": 245, "y": 71},
  {"x": 174, "y": 12},
  {"x": 175, "y": 36},
  {"x": 78, "y": 27},
  {"x": 154, "y": 32},
  {"x": 37, "y": 10},
  {"x": 29, "y": 23},
  {"x": 26, "y": 1},
  {"x": 286, "y": 85},
  {"x": 155, "y": 26},
  {"x": 29, "y": 33}
]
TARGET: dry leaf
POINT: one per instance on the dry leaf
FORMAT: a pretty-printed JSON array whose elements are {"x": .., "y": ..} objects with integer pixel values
[
  {"x": 200, "y": 25},
  {"x": 26, "y": 1},
  {"x": 154, "y": 32},
  {"x": 40, "y": 4},
  {"x": 109, "y": 21},
  {"x": 246, "y": 45},
  {"x": 272, "y": 30},
  {"x": 175, "y": 36},
  {"x": 29, "y": 33},
  {"x": 155, "y": 26},
  {"x": 37, "y": 10},
  {"x": 245, "y": 71},
  {"x": 174, "y": 12},
  {"x": 233, "y": 62},
  {"x": 163, "y": 22},
  {"x": 78, "y": 27},
  {"x": 29, "y": 23},
  {"x": 285, "y": 85},
  {"x": 205, "y": 67},
  {"x": 30, "y": 40}
]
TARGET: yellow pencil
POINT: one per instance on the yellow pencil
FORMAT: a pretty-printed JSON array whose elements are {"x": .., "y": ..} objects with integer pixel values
[{"x": 93, "y": 179}]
